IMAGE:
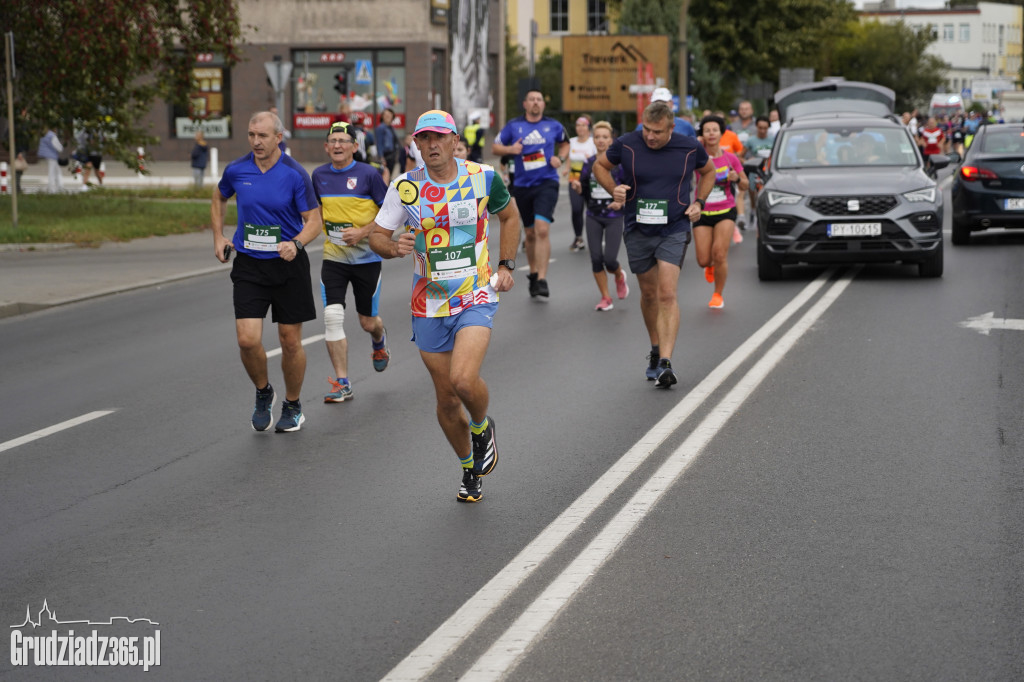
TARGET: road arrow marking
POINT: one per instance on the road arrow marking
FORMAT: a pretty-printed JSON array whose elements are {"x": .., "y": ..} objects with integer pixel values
[{"x": 986, "y": 323}]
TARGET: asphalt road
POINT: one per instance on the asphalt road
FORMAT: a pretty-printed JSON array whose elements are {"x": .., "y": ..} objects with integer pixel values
[{"x": 835, "y": 489}]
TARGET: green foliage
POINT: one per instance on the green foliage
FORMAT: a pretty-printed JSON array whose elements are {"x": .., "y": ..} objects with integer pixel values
[
  {"x": 547, "y": 71},
  {"x": 102, "y": 215},
  {"x": 892, "y": 55},
  {"x": 98, "y": 65}
]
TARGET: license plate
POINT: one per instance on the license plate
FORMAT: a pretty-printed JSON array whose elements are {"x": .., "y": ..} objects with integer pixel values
[
  {"x": 854, "y": 229},
  {"x": 1014, "y": 204}
]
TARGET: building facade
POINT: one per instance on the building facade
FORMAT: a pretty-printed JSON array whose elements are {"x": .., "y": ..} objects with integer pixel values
[
  {"x": 350, "y": 59},
  {"x": 982, "y": 43},
  {"x": 555, "y": 19}
]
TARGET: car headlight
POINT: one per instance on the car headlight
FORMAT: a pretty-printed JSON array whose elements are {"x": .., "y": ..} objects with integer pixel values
[
  {"x": 775, "y": 198},
  {"x": 921, "y": 195}
]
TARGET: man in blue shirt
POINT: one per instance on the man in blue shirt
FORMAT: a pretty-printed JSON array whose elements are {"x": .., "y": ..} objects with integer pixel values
[
  {"x": 540, "y": 146},
  {"x": 278, "y": 215},
  {"x": 657, "y": 164}
]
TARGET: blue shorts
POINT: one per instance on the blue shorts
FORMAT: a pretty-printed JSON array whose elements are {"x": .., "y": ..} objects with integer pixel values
[
  {"x": 536, "y": 202},
  {"x": 437, "y": 334}
]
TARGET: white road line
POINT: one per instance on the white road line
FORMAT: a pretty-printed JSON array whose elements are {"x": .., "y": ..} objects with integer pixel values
[
  {"x": 50, "y": 430},
  {"x": 505, "y": 653},
  {"x": 305, "y": 342},
  {"x": 450, "y": 634}
]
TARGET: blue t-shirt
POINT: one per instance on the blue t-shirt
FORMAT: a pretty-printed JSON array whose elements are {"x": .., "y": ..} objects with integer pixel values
[
  {"x": 682, "y": 127},
  {"x": 270, "y": 205},
  {"x": 349, "y": 197},
  {"x": 540, "y": 142},
  {"x": 659, "y": 181}
]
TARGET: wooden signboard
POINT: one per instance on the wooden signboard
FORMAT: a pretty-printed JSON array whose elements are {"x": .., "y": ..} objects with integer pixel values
[{"x": 597, "y": 71}]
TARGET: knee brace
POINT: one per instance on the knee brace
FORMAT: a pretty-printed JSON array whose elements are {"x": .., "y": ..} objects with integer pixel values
[{"x": 334, "y": 322}]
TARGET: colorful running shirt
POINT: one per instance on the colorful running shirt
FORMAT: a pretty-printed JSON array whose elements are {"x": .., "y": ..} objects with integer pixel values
[
  {"x": 721, "y": 198},
  {"x": 350, "y": 197},
  {"x": 270, "y": 205},
  {"x": 596, "y": 196},
  {"x": 659, "y": 181},
  {"x": 933, "y": 138},
  {"x": 579, "y": 152},
  {"x": 451, "y": 262},
  {"x": 540, "y": 145}
]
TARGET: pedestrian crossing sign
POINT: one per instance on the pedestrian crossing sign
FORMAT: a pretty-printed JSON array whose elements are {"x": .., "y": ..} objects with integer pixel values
[{"x": 364, "y": 72}]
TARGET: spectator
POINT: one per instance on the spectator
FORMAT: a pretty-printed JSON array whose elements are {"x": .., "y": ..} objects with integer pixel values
[
  {"x": 200, "y": 159},
  {"x": 50, "y": 149}
]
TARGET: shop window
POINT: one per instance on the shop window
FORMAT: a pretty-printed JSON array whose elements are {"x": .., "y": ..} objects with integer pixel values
[{"x": 209, "y": 107}]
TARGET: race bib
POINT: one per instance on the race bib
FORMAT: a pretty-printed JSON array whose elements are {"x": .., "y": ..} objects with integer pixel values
[
  {"x": 652, "y": 211},
  {"x": 717, "y": 195},
  {"x": 452, "y": 262},
  {"x": 597, "y": 190},
  {"x": 262, "y": 237},
  {"x": 334, "y": 234},
  {"x": 534, "y": 161}
]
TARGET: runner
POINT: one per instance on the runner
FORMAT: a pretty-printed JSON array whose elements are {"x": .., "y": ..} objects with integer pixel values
[
  {"x": 581, "y": 148},
  {"x": 932, "y": 141},
  {"x": 604, "y": 221},
  {"x": 539, "y": 146},
  {"x": 448, "y": 204},
  {"x": 350, "y": 193},
  {"x": 658, "y": 165},
  {"x": 712, "y": 232},
  {"x": 745, "y": 128},
  {"x": 758, "y": 147},
  {"x": 278, "y": 215}
]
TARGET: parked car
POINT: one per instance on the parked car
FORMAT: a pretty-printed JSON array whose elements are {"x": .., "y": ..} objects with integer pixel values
[
  {"x": 846, "y": 184},
  {"x": 988, "y": 188}
]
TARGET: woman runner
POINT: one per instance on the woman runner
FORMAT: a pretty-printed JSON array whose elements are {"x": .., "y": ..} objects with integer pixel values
[{"x": 581, "y": 148}]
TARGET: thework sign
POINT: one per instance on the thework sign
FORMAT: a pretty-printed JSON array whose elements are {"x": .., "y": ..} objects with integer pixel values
[{"x": 598, "y": 70}]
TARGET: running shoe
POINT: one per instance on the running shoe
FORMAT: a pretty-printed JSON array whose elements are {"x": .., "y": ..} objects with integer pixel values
[
  {"x": 291, "y": 417},
  {"x": 532, "y": 277},
  {"x": 709, "y": 274},
  {"x": 621, "y": 286},
  {"x": 604, "y": 304},
  {"x": 261, "y": 415},
  {"x": 339, "y": 392},
  {"x": 542, "y": 288},
  {"x": 381, "y": 356},
  {"x": 485, "y": 450},
  {"x": 741, "y": 221},
  {"x": 737, "y": 237},
  {"x": 666, "y": 377},
  {"x": 577, "y": 245},
  {"x": 716, "y": 301},
  {"x": 652, "y": 366},
  {"x": 472, "y": 488}
]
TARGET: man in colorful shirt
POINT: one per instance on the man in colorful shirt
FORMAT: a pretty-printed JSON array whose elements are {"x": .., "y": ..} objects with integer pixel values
[
  {"x": 539, "y": 146},
  {"x": 350, "y": 193},
  {"x": 447, "y": 203},
  {"x": 278, "y": 215}
]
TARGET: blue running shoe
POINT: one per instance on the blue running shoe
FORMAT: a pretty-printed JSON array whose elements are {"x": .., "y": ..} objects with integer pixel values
[
  {"x": 652, "y": 367},
  {"x": 666, "y": 377},
  {"x": 485, "y": 450},
  {"x": 381, "y": 356},
  {"x": 339, "y": 393},
  {"x": 261, "y": 415},
  {"x": 472, "y": 488},
  {"x": 291, "y": 417}
]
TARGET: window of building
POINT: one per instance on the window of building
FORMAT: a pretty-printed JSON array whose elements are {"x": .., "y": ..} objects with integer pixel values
[
  {"x": 559, "y": 16},
  {"x": 1001, "y": 33},
  {"x": 332, "y": 85},
  {"x": 597, "y": 16},
  {"x": 965, "y": 33},
  {"x": 209, "y": 106},
  {"x": 947, "y": 33}
]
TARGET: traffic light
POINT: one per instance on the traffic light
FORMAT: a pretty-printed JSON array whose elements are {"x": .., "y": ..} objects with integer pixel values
[
  {"x": 341, "y": 81},
  {"x": 691, "y": 66}
]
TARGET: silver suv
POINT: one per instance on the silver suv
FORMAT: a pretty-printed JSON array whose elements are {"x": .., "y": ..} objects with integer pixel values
[{"x": 846, "y": 184}]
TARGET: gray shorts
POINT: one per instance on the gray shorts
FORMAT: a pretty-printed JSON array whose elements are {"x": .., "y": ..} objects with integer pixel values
[{"x": 643, "y": 250}]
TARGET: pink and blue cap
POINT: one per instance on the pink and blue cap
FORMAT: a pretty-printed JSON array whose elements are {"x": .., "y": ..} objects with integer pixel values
[{"x": 436, "y": 121}]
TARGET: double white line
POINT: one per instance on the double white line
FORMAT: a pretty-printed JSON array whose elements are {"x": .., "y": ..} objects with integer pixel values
[{"x": 504, "y": 654}]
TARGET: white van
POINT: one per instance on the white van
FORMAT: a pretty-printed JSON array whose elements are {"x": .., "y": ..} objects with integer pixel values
[{"x": 946, "y": 104}]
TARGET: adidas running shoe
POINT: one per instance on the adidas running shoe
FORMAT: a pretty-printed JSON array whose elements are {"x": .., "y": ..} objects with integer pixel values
[
  {"x": 472, "y": 488},
  {"x": 485, "y": 450}
]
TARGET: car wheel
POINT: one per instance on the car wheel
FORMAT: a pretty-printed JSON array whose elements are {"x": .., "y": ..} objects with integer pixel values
[
  {"x": 768, "y": 270},
  {"x": 961, "y": 233},
  {"x": 933, "y": 266}
]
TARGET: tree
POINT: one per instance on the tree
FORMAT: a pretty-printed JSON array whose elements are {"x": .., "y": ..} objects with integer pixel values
[
  {"x": 892, "y": 55},
  {"x": 98, "y": 65}
]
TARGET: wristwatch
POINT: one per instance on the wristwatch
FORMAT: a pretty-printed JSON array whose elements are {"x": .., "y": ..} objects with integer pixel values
[
  {"x": 298, "y": 245},
  {"x": 703, "y": 202},
  {"x": 508, "y": 263}
]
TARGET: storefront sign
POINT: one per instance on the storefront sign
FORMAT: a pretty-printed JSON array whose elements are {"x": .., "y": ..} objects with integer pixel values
[{"x": 213, "y": 129}]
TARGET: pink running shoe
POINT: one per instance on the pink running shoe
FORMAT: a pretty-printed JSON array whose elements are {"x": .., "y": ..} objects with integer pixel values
[
  {"x": 621, "y": 286},
  {"x": 604, "y": 304}
]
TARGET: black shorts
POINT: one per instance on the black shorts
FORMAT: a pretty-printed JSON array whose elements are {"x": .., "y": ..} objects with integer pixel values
[
  {"x": 276, "y": 284},
  {"x": 365, "y": 279},
  {"x": 536, "y": 202},
  {"x": 715, "y": 218}
]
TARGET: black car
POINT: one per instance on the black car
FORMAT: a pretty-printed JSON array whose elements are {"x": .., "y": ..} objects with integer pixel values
[
  {"x": 846, "y": 184},
  {"x": 988, "y": 188}
]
